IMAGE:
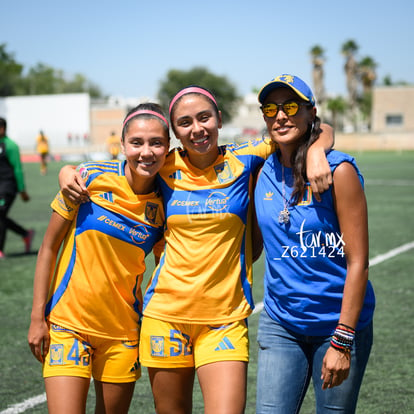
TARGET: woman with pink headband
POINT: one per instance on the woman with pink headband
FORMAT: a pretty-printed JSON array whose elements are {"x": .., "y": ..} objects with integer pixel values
[
  {"x": 198, "y": 300},
  {"x": 86, "y": 310},
  {"x": 199, "y": 297}
]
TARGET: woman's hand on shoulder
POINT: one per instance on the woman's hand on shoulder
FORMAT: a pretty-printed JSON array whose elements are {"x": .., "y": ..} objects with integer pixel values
[
  {"x": 318, "y": 170},
  {"x": 72, "y": 185}
]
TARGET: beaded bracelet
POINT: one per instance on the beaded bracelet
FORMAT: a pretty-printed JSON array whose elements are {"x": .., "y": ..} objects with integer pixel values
[
  {"x": 346, "y": 326},
  {"x": 343, "y": 338}
]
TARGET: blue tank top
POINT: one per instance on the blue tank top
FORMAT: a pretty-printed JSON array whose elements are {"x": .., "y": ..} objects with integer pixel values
[{"x": 305, "y": 262}]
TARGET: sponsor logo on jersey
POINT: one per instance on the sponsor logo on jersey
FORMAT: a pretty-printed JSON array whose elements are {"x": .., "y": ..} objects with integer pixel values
[
  {"x": 136, "y": 366},
  {"x": 224, "y": 344},
  {"x": 185, "y": 203},
  {"x": 157, "y": 346},
  {"x": 224, "y": 173},
  {"x": 268, "y": 196},
  {"x": 139, "y": 234},
  {"x": 151, "y": 212},
  {"x": 112, "y": 223},
  {"x": 217, "y": 201},
  {"x": 56, "y": 354}
]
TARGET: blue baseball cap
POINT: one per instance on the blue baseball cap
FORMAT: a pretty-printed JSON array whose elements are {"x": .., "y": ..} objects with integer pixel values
[{"x": 293, "y": 82}]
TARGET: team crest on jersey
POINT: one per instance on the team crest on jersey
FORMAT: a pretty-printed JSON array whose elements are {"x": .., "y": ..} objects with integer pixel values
[
  {"x": 307, "y": 196},
  {"x": 151, "y": 212},
  {"x": 224, "y": 173},
  {"x": 157, "y": 346},
  {"x": 56, "y": 354}
]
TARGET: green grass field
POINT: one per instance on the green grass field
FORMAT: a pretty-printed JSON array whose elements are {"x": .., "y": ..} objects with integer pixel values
[{"x": 387, "y": 387}]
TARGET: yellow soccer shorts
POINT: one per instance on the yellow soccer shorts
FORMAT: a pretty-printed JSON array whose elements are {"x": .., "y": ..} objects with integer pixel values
[
  {"x": 78, "y": 355},
  {"x": 179, "y": 345}
]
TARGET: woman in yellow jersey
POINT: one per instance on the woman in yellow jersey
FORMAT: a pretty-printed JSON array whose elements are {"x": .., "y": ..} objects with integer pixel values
[
  {"x": 199, "y": 297},
  {"x": 42, "y": 148},
  {"x": 86, "y": 313}
]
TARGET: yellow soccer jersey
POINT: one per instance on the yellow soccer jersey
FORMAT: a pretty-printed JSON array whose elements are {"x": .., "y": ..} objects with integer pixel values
[
  {"x": 96, "y": 288},
  {"x": 205, "y": 273},
  {"x": 42, "y": 144}
]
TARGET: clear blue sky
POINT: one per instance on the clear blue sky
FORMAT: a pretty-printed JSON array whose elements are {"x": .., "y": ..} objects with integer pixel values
[{"x": 126, "y": 47}]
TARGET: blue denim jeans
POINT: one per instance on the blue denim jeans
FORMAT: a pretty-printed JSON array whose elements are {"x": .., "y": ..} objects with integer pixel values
[{"x": 288, "y": 361}]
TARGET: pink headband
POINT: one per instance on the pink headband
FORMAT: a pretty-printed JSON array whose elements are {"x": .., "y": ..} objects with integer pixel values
[
  {"x": 143, "y": 112},
  {"x": 191, "y": 89}
]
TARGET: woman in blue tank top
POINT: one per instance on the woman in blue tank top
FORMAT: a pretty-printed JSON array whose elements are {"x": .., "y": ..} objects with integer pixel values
[{"x": 318, "y": 302}]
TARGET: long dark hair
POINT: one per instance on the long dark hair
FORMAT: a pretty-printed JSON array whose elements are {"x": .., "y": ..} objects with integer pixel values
[{"x": 298, "y": 160}]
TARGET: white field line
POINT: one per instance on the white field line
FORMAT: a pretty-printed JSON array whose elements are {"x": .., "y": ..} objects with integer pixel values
[
  {"x": 25, "y": 405},
  {"x": 39, "y": 399}
]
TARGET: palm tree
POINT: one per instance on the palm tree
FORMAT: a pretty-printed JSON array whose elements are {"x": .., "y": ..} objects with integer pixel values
[
  {"x": 367, "y": 67},
  {"x": 349, "y": 49},
  {"x": 318, "y": 59},
  {"x": 368, "y": 75}
]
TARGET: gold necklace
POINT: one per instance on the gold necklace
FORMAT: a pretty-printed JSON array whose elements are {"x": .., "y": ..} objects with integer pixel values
[{"x": 284, "y": 215}]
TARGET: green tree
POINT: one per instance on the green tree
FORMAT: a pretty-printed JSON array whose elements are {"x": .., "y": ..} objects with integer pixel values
[
  {"x": 387, "y": 81},
  {"x": 81, "y": 84},
  {"x": 10, "y": 72},
  {"x": 337, "y": 106},
  {"x": 222, "y": 88},
  {"x": 43, "y": 80},
  {"x": 40, "y": 80}
]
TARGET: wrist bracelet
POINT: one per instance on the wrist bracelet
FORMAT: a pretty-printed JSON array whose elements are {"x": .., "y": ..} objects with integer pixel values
[
  {"x": 343, "y": 339},
  {"x": 346, "y": 326}
]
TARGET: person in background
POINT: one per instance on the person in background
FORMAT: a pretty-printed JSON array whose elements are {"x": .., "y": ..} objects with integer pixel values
[
  {"x": 318, "y": 303},
  {"x": 199, "y": 297},
  {"x": 87, "y": 302},
  {"x": 42, "y": 147},
  {"x": 113, "y": 144},
  {"x": 11, "y": 183}
]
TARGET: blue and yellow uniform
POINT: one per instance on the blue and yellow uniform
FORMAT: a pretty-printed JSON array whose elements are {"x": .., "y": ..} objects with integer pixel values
[
  {"x": 96, "y": 289},
  {"x": 205, "y": 274},
  {"x": 97, "y": 283}
]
